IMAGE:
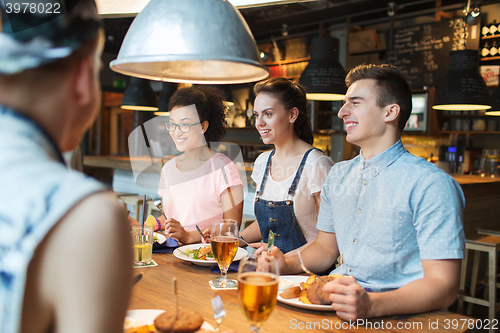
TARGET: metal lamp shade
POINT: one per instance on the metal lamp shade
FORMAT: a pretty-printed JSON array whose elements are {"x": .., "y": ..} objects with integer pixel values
[
  {"x": 463, "y": 88},
  {"x": 139, "y": 96},
  {"x": 324, "y": 76},
  {"x": 190, "y": 41},
  {"x": 495, "y": 103}
]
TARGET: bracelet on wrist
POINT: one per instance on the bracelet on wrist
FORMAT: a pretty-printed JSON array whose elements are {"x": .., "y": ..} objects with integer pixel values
[{"x": 158, "y": 225}]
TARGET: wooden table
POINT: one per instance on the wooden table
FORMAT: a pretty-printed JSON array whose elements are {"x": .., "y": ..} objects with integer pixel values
[{"x": 154, "y": 291}]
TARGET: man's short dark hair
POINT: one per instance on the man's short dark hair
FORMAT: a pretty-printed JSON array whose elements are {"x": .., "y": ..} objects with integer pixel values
[{"x": 392, "y": 87}]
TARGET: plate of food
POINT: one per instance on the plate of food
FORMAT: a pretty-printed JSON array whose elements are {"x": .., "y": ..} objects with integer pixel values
[
  {"x": 201, "y": 254},
  {"x": 160, "y": 238},
  {"x": 305, "y": 292},
  {"x": 143, "y": 321}
]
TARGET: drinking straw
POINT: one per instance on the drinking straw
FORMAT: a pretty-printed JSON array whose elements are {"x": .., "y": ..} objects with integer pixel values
[{"x": 143, "y": 213}]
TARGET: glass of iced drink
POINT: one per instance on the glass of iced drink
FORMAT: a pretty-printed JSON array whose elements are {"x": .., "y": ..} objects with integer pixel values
[{"x": 142, "y": 244}]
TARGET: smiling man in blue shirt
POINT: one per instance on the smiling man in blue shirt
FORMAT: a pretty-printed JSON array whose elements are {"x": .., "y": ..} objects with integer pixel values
[{"x": 396, "y": 218}]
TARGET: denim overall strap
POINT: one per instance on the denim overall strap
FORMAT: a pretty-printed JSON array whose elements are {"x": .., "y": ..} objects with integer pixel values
[
  {"x": 279, "y": 216},
  {"x": 266, "y": 171},
  {"x": 291, "y": 191}
]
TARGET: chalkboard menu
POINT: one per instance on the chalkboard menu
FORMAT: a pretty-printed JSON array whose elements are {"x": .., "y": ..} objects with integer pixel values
[{"x": 421, "y": 52}]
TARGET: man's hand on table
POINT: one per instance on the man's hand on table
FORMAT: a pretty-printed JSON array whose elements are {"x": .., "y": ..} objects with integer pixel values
[{"x": 349, "y": 299}]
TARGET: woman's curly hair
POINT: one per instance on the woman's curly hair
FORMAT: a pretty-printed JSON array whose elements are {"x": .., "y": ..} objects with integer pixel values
[{"x": 209, "y": 105}]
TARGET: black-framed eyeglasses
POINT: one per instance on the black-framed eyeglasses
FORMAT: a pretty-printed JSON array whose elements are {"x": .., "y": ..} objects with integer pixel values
[{"x": 184, "y": 128}]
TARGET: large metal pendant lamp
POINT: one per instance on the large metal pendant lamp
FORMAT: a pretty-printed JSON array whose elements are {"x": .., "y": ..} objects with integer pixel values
[
  {"x": 463, "y": 87},
  {"x": 324, "y": 76},
  {"x": 190, "y": 41},
  {"x": 139, "y": 96},
  {"x": 495, "y": 103}
]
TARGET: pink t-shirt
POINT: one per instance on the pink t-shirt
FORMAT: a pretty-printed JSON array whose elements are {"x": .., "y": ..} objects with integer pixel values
[{"x": 193, "y": 197}]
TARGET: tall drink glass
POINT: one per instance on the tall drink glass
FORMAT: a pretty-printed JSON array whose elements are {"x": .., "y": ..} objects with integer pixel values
[
  {"x": 257, "y": 289},
  {"x": 224, "y": 239},
  {"x": 142, "y": 242}
]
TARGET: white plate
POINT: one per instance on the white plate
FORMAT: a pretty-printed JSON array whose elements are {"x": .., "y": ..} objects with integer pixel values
[
  {"x": 242, "y": 253},
  {"x": 296, "y": 280},
  {"x": 147, "y": 317},
  {"x": 161, "y": 238}
]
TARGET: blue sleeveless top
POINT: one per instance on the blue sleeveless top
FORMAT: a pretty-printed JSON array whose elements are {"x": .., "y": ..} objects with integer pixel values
[{"x": 36, "y": 191}]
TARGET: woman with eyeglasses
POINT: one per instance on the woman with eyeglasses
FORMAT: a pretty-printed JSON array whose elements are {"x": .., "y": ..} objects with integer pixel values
[
  {"x": 288, "y": 178},
  {"x": 200, "y": 185}
]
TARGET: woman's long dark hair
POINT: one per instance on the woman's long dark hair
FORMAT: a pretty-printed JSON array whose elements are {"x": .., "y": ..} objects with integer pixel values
[
  {"x": 291, "y": 95},
  {"x": 209, "y": 105}
]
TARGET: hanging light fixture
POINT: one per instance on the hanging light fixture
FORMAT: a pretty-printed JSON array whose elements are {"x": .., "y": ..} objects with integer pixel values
[
  {"x": 495, "y": 103},
  {"x": 139, "y": 96},
  {"x": 168, "y": 89},
  {"x": 324, "y": 76},
  {"x": 463, "y": 87},
  {"x": 190, "y": 41}
]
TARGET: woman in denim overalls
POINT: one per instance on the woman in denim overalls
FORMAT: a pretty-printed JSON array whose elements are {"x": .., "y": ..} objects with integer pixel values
[{"x": 289, "y": 178}]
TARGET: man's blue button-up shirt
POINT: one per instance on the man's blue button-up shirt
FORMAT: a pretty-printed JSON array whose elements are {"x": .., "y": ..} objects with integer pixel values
[{"x": 388, "y": 213}]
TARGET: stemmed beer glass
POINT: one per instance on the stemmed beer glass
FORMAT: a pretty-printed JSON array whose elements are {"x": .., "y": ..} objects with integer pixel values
[
  {"x": 224, "y": 239},
  {"x": 257, "y": 289}
]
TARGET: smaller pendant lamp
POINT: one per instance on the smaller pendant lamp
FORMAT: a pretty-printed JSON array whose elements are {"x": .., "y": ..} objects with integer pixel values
[
  {"x": 463, "y": 88},
  {"x": 168, "y": 90},
  {"x": 324, "y": 76},
  {"x": 495, "y": 103},
  {"x": 139, "y": 96}
]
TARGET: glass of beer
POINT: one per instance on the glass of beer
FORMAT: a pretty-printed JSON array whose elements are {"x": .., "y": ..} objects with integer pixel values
[
  {"x": 142, "y": 243},
  {"x": 257, "y": 289},
  {"x": 224, "y": 240}
]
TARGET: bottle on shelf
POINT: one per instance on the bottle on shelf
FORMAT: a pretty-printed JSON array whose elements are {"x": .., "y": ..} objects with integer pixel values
[
  {"x": 494, "y": 50},
  {"x": 493, "y": 29},
  {"x": 494, "y": 164},
  {"x": 485, "y": 51},
  {"x": 485, "y": 31},
  {"x": 484, "y": 167}
]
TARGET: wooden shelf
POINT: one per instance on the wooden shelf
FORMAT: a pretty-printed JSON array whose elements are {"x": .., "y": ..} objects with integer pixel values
[
  {"x": 490, "y": 37},
  {"x": 477, "y": 115},
  {"x": 284, "y": 62},
  {"x": 490, "y": 58},
  {"x": 470, "y": 132},
  {"x": 368, "y": 52}
]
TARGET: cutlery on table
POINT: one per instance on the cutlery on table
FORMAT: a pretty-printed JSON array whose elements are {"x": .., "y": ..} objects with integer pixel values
[
  {"x": 174, "y": 289},
  {"x": 201, "y": 234},
  {"x": 270, "y": 242},
  {"x": 304, "y": 268},
  {"x": 137, "y": 278},
  {"x": 219, "y": 312},
  {"x": 244, "y": 241},
  {"x": 341, "y": 259},
  {"x": 157, "y": 201}
]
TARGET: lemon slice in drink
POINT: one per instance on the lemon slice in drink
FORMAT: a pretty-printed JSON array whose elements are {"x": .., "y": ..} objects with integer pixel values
[{"x": 151, "y": 222}]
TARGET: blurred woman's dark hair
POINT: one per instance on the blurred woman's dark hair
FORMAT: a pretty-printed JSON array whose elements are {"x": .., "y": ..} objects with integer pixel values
[
  {"x": 209, "y": 105},
  {"x": 291, "y": 95}
]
